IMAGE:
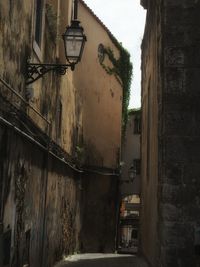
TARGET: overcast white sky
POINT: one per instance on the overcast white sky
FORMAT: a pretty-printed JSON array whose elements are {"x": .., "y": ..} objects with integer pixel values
[{"x": 126, "y": 20}]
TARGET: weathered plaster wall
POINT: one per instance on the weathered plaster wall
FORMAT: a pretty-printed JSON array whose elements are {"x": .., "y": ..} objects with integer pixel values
[
  {"x": 171, "y": 198},
  {"x": 40, "y": 195},
  {"x": 100, "y": 95},
  {"x": 53, "y": 96},
  {"x": 14, "y": 40},
  {"x": 37, "y": 193},
  {"x": 100, "y": 98}
]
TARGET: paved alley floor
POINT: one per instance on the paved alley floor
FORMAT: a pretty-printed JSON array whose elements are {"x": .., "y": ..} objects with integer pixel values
[{"x": 102, "y": 260}]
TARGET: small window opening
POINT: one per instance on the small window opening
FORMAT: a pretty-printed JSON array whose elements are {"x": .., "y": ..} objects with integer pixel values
[
  {"x": 38, "y": 22},
  {"x": 137, "y": 126}
]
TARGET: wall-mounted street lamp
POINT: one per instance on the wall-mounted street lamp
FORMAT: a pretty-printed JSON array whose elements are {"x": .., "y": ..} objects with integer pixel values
[
  {"x": 132, "y": 173},
  {"x": 74, "y": 41}
]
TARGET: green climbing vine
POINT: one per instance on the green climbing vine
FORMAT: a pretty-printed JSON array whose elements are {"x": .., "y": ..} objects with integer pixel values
[{"x": 122, "y": 69}]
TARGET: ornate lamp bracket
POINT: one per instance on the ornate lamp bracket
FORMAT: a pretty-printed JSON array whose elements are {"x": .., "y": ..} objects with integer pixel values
[{"x": 36, "y": 71}]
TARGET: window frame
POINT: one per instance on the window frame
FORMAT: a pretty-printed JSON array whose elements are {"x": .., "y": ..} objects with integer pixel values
[{"x": 38, "y": 44}]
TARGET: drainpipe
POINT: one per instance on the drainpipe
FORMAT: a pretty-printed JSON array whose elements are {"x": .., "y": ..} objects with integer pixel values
[
  {"x": 75, "y": 9},
  {"x": 1, "y": 223},
  {"x": 46, "y": 170}
]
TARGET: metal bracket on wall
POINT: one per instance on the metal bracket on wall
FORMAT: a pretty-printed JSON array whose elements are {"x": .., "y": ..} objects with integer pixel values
[{"x": 36, "y": 71}]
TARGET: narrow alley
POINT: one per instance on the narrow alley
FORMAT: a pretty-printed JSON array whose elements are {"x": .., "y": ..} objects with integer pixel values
[
  {"x": 102, "y": 260},
  {"x": 86, "y": 178}
]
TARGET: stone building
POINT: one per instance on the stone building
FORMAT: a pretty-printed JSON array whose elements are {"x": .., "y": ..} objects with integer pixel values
[
  {"x": 50, "y": 186},
  {"x": 170, "y": 133}
]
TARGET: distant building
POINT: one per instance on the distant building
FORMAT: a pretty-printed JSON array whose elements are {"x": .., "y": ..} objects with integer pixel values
[
  {"x": 129, "y": 184},
  {"x": 131, "y": 170}
]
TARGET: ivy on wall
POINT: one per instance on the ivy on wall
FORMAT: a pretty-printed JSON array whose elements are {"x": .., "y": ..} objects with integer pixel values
[{"x": 123, "y": 70}]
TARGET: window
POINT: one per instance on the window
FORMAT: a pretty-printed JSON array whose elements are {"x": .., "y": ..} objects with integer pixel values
[
  {"x": 137, "y": 167},
  {"x": 137, "y": 125},
  {"x": 38, "y": 22}
]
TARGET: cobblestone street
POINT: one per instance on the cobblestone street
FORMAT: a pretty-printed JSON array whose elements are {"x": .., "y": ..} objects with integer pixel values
[{"x": 102, "y": 260}]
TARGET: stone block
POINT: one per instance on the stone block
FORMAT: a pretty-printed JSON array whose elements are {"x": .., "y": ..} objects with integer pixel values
[
  {"x": 174, "y": 56},
  {"x": 181, "y": 15},
  {"x": 192, "y": 81},
  {"x": 171, "y": 194},
  {"x": 172, "y": 173},
  {"x": 171, "y": 257},
  {"x": 176, "y": 235},
  {"x": 170, "y": 212},
  {"x": 181, "y": 36},
  {"x": 174, "y": 81},
  {"x": 191, "y": 211},
  {"x": 179, "y": 195},
  {"x": 174, "y": 124},
  {"x": 191, "y": 174}
]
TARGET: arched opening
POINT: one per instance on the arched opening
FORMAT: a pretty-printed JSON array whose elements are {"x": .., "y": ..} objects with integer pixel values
[{"x": 128, "y": 227}]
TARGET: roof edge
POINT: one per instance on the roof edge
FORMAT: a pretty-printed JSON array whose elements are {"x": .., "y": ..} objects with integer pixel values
[
  {"x": 112, "y": 37},
  {"x": 144, "y": 3}
]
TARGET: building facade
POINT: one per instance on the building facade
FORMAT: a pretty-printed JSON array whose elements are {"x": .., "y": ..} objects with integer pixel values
[
  {"x": 131, "y": 169},
  {"x": 47, "y": 136},
  {"x": 170, "y": 133},
  {"x": 129, "y": 185}
]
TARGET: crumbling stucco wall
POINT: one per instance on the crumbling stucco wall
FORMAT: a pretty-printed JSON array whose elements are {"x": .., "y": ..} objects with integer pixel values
[{"x": 39, "y": 195}]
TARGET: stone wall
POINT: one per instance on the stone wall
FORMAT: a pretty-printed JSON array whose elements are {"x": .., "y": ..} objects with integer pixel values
[
  {"x": 169, "y": 234},
  {"x": 180, "y": 184},
  {"x": 151, "y": 57}
]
